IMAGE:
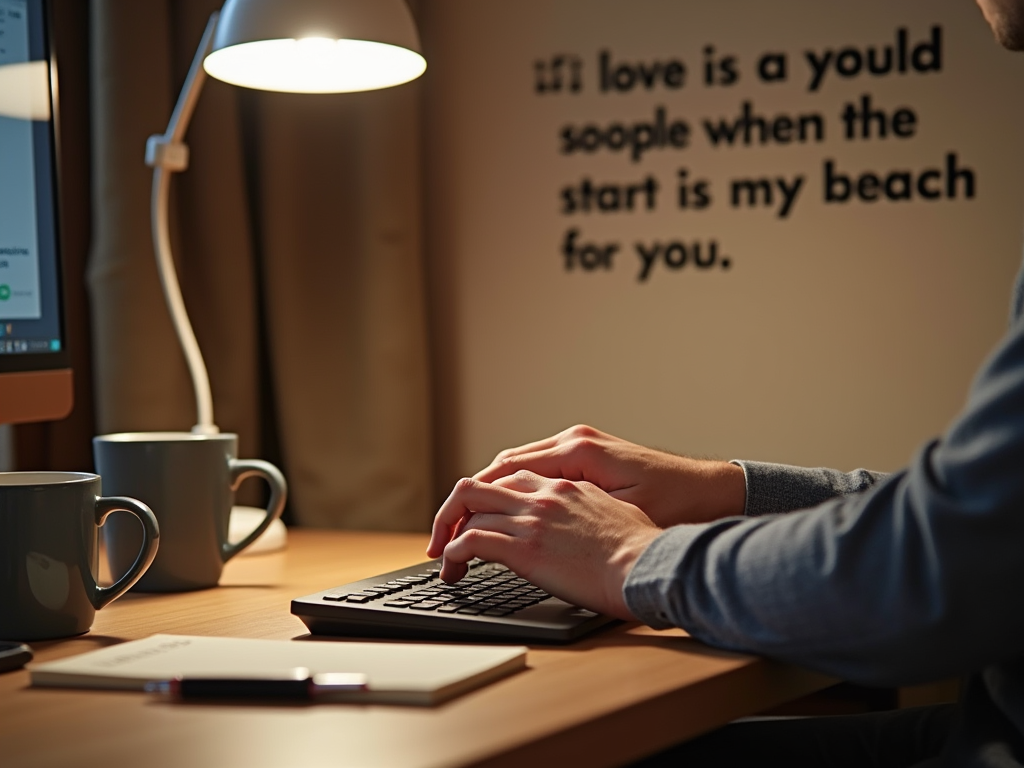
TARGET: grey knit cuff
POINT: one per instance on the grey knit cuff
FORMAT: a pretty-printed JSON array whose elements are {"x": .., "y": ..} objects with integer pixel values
[{"x": 778, "y": 488}]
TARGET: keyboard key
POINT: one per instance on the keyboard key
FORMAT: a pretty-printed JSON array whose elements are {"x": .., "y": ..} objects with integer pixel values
[
  {"x": 426, "y": 605},
  {"x": 400, "y": 603},
  {"x": 336, "y": 597},
  {"x": 359, "y": 597},
  {"x": 470, "y": 610},
  {"x": 454, "y": 592},
  {"x": 497, "y": 612}
]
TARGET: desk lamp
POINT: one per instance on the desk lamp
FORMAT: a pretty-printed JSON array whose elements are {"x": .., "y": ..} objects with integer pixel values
[{"x": 297, "y": 46}]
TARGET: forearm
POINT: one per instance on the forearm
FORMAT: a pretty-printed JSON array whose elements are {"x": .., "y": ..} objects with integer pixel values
[
  {"x": 913, "y": 579},
  {"x": 707, "y": 490},
  {"x": 834, "y": 589}
]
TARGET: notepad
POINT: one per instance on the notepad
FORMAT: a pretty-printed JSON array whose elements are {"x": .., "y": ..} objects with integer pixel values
[{"x": 397, "y": 673}]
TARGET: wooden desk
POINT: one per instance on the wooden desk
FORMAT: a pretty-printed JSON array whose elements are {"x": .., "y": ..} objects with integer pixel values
[{"x": 603, "y": 701}]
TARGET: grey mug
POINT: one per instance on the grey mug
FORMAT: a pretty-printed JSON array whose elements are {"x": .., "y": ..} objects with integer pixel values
[
  {"x": 49, "y": 552},
  {"x": 189, "y": 481}
]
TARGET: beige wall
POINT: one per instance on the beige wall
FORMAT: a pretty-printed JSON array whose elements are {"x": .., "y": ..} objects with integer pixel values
[{"x": 840, "y": 335}]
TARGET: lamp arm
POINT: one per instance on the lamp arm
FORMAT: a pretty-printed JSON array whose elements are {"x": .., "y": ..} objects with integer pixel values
[
  {"x": 176, "y": 305},
  {"x": 166, "y": 154},
  {"x": 186, "y": 104}
]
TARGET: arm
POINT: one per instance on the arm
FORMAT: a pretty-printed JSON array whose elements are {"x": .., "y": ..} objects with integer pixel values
[
  {"x": 673, "y": 489},
  {"x": 669, "y": 488},
  {"x": 574, "y": 512},
  {"x": 913, "y": 580},
  {"x": 577, "y": 520}
]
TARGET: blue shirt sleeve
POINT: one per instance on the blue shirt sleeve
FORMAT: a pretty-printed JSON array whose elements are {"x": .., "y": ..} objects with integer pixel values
[{"x": 914, "y": 578}]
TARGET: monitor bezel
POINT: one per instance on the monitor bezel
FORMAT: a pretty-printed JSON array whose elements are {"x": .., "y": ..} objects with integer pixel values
[
  {"x": 49, "y": 361},
  {"x": 39, "y": 386}
]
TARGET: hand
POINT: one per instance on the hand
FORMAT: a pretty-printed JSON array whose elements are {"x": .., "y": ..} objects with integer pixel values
[
  {"x": 670, "y": 489},
  {"x": 569, "y": 538}
]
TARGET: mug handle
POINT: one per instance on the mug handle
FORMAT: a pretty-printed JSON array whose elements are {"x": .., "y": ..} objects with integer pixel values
[
  {"x": 241, "y": 469},
  {"x": 102, "y": 596}
]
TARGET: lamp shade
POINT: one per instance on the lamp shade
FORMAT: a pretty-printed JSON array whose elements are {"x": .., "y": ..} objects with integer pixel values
[{"x": 315, "y": 46}]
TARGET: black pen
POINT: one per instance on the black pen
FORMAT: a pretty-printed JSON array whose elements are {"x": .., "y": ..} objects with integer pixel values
[{"x": 296, "y": 686}]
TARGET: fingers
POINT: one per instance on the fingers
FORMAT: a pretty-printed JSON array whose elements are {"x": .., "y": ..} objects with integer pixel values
[
  {"x": 523, "y": 481},
  {"x": 497, "y": 467},
  {"x": 475, "y": 529},
  {"x": 506, "y": 524},
  {"x": 572, "y": 458},
  {"x": 469, "y": 497},
  {"x": 494, "y": 470},
  {"x": 477, "y": 542},
  {"x": 452, "y": 571},
  {"x": 536, "y": 445},
  {"x": 471, "y": 527},
  {"x": 543, "y": 462}
]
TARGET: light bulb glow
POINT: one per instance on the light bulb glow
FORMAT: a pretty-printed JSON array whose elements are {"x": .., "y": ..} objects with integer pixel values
[{"x": 315, "y": 65}]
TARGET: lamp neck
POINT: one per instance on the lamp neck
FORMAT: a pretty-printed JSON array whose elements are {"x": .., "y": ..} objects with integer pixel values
[{"x": 166, "y": 153}]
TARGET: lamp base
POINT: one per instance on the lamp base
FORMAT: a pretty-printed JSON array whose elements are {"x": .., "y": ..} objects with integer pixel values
[{"x": 245, "y": 519}]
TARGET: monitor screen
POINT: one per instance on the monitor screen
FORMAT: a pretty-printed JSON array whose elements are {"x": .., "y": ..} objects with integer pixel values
[{"x": 35, "y": 381}]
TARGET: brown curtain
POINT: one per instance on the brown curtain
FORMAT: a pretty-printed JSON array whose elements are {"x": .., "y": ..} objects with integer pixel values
[{"x": 297, "y": 233}]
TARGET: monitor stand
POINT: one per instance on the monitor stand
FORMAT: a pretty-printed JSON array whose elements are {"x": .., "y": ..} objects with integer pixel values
[{"x": 35, "y": 396}]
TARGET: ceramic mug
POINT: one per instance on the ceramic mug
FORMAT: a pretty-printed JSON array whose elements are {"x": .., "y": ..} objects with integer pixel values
[
  {"x": 49, "y": 552},
  {"x": 189, "y": 482}
]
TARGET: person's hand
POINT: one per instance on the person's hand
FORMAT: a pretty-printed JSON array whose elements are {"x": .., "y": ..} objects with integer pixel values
[
  {"x": 569, "y": 538},
  {"x": 670, "y": 489}
]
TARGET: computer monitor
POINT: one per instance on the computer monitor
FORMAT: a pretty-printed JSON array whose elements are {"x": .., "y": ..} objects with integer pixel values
[{"x": 35, "y": 371}]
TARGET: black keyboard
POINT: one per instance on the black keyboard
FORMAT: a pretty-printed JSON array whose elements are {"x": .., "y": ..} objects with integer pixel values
[{"x": 489, "y": 603}]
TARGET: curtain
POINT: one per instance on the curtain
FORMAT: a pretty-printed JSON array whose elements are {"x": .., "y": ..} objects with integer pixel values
[{"x": 297, "y": 236}]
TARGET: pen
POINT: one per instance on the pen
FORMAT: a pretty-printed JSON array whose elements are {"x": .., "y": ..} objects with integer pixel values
[{"x": 298, "y": 686}]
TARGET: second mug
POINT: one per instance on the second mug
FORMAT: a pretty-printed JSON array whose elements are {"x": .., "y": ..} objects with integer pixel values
[{"x": 189, "y": 482}]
